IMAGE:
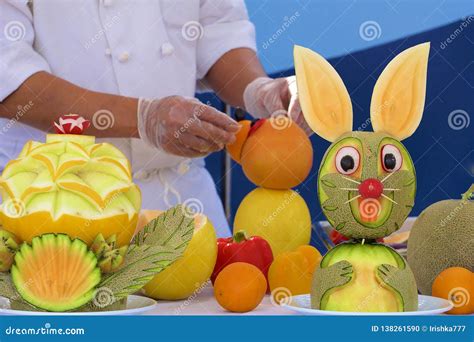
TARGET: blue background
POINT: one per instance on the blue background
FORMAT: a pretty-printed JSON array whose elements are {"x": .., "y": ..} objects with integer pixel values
[
  {"x": 444, "y": 157},
  {"x": 238, "y": 328}
]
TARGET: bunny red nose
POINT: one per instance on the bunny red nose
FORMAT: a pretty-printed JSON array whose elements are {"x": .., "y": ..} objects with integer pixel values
[{"x": 371, "y": 188}]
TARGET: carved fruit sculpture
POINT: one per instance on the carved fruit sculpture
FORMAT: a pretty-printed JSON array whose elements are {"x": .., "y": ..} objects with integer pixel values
[
  {"x": 366, "y": 181},
  {"x": 188, "y": 274},
  {"x": 69, "y": 185},
  {"x": 274, "y": 153}
]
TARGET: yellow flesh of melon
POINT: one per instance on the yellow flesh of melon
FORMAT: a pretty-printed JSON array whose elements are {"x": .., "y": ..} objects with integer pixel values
[
  {"x": 70, "y": 185},
  {"x": 399, "y": 94},
  {"x": 323, "y": 96}
]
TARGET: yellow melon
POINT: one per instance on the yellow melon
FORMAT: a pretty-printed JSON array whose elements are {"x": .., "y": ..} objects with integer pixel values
[{"x": 69, "y": 185}]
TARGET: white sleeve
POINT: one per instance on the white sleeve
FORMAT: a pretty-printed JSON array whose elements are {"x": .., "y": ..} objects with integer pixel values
[
  {"x": 226, "y": 26},
  {"x": 18, "y": 59}
]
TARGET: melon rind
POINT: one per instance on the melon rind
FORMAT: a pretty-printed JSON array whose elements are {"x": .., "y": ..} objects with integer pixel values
[
  {"x": 366, "y": 291},
  {"x": 55, "y": 273},
  {"x": 441, "y": 237}
]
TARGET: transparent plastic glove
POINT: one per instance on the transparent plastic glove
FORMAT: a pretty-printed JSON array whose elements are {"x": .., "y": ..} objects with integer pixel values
[
  {"x": 184, "y": 126},
  {"x": 265, "y": 97}
]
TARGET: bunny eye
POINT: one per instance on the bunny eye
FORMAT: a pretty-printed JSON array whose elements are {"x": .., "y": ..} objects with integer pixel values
[
  {"x": 392, "y": 159},
  {"x": 347, "y": 160}
]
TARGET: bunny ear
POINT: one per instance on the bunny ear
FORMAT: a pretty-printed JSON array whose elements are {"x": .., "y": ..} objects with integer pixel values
[
  {"x": 324, "y": 99},
  {"x": 399, "y": 94}
]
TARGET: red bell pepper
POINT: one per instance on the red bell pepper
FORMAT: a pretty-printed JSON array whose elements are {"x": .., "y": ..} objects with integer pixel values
[{"x": 240, "y": 248}]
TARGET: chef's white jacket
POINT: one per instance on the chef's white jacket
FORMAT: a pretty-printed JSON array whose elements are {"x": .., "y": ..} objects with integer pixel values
[{"x": 137, "y": 48}]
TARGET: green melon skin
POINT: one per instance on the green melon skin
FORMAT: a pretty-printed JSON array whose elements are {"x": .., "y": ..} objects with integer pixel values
[
  {"x": 361, "y": 288},
  {"x": 47, "y": 272},
  {"x": 441, "y": 237},
  {"x": 336, "y": 199}
]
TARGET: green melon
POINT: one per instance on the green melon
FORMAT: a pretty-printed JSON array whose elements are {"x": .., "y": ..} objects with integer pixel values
[
  {"x": 55, "y": 273},
  {"x": 346, "y": 210},
  {"x": 367, "y": 277},
  {"x": 442, "y": 237}
]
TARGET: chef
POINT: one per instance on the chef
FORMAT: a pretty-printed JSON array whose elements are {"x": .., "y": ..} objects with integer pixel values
[{"x": 132, "y": 68}]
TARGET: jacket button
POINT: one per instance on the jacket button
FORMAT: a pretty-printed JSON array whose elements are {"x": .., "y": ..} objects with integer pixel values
[
  {"x": 124, "y": 57},
  {"x": 167, "y": 49}
]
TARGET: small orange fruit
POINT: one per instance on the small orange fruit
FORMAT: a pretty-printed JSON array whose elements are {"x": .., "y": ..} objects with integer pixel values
[
  {"x": 235, "y": 149},
  {"x": 457, "y": 285},
  {"x": 240, "y": 287},
  {"x": 291, "y": 273}
]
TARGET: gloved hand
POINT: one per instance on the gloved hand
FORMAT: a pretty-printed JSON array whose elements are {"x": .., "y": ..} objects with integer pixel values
[
  {"x": 267, "y": 97},
  {"x": 184, "y": 126}
]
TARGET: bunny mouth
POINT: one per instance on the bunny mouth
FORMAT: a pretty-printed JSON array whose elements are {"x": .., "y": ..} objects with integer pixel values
[{"x": 371, "y": 212}]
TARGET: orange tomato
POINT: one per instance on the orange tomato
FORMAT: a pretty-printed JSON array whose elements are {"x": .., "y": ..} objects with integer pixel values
[
  {"x": 457, "y": 285},
  {"x": 240, "y": 287},
  {"x": 291, "y": 273}
]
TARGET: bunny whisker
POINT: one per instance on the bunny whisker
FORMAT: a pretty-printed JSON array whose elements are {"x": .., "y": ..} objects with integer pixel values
[
  {"x": 391, "y": 200},
  {"x": 351, "y": 180},
  {"x": 349, "y": 189},
  {"x": 387, "y": 177},
  {"x": 353, "y": 198},
  {"x": 390, "y": 189}
]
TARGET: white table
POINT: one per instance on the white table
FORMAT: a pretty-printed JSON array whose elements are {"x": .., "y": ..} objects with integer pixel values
[{"x": 204, "y": 303}]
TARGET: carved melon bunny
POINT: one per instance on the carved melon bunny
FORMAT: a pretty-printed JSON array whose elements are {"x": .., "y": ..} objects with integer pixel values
[{"x": 366, "y": 181}]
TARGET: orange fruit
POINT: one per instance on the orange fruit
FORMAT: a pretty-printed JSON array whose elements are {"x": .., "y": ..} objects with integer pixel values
[
  {"x": 240, "y": 287},
  {"x": 235, "y": 149},
  {"x": 312, "y": 256},
  {"x": 457, "y": 285},
  {"x": 277, "y": 154},
  {"x": 291, "y": 273}
]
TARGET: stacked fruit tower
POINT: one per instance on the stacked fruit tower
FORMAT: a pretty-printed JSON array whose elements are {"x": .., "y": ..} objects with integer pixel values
[
  {"x": 366, "y": 181},
  {"x": 276, "y": 155},
  {"x": 69, "y": 211}
]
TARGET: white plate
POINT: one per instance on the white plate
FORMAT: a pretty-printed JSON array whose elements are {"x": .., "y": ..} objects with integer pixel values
[
  {"x": 135, "y": 305},
  {"x": 427, "y": 305}
]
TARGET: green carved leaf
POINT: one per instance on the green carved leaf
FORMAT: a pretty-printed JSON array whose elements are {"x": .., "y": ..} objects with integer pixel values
[{"x": 174, "y": 227}]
